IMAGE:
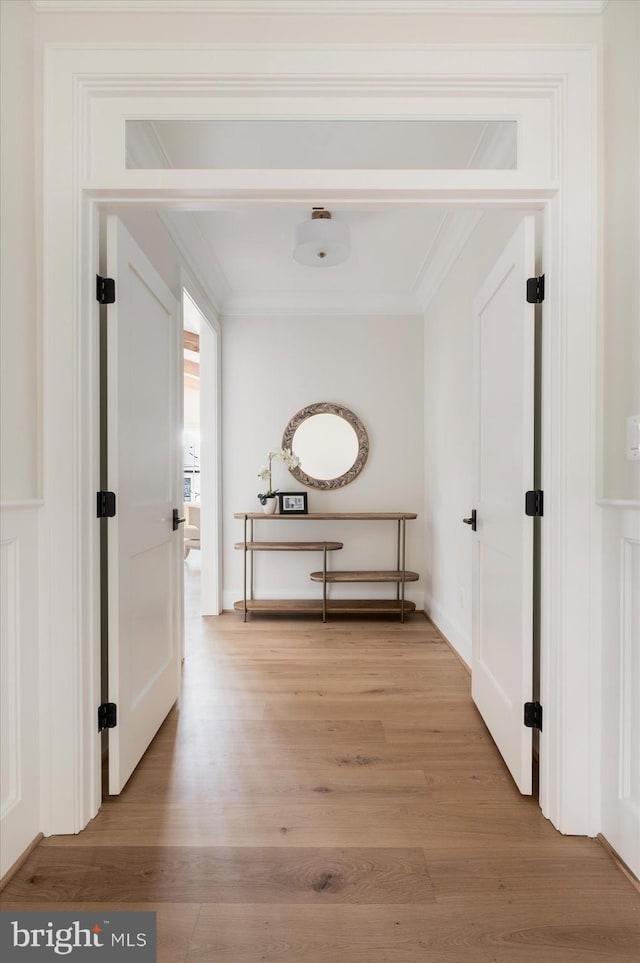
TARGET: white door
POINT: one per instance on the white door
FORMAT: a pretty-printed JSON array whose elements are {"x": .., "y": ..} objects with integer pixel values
[
  {"x": 144, "y": 451},
  {"x": 502, "y": 649}
]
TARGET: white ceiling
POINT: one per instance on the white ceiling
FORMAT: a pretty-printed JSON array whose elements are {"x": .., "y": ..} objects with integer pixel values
[
  {"x": 244, "y": 254},
  {"x": 252, "y": 269}
]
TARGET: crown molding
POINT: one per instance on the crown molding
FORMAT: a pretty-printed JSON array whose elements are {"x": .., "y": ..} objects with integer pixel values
[
  {"x": 26, "y": 504},
  {"x": 320, "y": 304},
  {"x": 453, "y": 234},
  {"x": 328, "y": 7},
  {"x": 198, "y": 258}
]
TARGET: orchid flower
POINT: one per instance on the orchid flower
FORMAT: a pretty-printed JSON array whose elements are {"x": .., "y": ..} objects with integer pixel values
[{"x": 285, "y": 455}]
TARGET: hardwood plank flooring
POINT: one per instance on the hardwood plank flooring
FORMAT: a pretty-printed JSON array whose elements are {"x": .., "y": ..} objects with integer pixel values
[{"x": 329, "y": 794}]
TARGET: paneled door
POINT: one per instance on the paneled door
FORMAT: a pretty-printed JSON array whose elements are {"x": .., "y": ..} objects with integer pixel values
[
  {"x": 502, "y": 644},
  {"x": 145, "y": 545}
]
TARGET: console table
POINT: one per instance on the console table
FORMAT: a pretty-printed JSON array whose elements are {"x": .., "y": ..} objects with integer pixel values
[{"x": 323, "y": 605}]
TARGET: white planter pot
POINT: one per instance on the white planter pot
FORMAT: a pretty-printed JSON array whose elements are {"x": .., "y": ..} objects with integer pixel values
[{"x": 269, "y": 507}]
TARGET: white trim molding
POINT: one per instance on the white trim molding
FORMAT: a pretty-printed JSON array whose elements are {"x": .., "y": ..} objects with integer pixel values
[
  {"x": 201, "y": 261},
  {"x": 622, "y": 504},
  {"x": 454, "y": 232},
  {"x": 28, "y": 504},
  {"x": 329, "y": 7},
  {"x": 450, "y": 628},
  {"x": 312, "y": 304},
  {"x": 621, "y": 682}
]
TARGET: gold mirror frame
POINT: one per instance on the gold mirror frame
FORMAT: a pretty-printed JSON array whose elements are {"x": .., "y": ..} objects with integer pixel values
[{"x": 328, "y": 408}]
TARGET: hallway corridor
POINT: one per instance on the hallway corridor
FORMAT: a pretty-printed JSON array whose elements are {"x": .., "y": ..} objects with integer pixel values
[{"x": 328, "y": 794}]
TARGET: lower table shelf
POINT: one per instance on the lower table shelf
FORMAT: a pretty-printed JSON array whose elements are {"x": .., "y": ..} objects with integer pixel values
[
  {"x": 373, "y": 576},
  {"x": 288, "y": 546},
  {"x": 337, "y": 606}
]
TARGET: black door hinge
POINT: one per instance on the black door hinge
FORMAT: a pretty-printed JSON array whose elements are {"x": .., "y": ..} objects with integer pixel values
[
  {"x": 535, "y": 290},
  {"x": 534, "y": 503},
  {"x": 105, "y": 290},
  {"x": 107, "y": 716},
  {"x": 533, "y": 715},
  {"x": 106, "y": 504}
]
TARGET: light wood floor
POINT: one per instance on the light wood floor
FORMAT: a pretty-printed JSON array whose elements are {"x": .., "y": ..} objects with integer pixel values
[{"x": 328, "y": 794}]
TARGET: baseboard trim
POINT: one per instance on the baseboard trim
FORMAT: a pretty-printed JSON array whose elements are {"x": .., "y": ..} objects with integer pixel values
[
  {"x": 457, "y": 640},
  {"x": 450, "y": 646},
  {"x": 457, "y": 654},
  {"x": 11, "y": 872},
  {"x": 620, "y": 863}
]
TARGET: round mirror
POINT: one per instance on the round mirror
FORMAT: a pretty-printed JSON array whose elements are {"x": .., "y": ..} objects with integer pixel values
[{"x": 331, "y": 443}]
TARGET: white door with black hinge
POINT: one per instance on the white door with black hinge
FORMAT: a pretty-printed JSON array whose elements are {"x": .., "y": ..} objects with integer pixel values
[
  {"x": 145, "y": 545},
  {"x": 502, "y": 643}
]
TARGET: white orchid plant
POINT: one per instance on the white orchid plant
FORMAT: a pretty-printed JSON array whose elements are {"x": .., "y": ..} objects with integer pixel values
[{"x": 283, "y": 454}]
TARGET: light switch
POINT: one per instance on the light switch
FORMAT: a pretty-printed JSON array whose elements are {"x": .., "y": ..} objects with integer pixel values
[{"x": 633, "y": 437}]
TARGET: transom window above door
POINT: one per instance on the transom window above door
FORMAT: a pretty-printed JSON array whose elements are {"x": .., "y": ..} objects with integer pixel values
[{"x": 321, "y": 144}]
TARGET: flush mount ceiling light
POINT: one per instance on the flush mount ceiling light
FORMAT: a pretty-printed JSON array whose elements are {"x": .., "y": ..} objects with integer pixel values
[{"x": 321, "y": 241}]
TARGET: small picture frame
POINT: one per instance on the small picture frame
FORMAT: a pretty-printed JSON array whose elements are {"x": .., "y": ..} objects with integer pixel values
[{"x": 292, "y": 503}]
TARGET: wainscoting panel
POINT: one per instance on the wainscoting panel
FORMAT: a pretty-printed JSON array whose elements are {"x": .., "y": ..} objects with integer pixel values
[
  {"x": 9, "y": 659},
  {"x": 19, "y": 697},
  {"x": 621, "y": 684}
]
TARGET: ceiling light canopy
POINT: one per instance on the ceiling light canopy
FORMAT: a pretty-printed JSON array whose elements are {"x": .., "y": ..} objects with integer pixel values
[{"x": 321, "y": 241}]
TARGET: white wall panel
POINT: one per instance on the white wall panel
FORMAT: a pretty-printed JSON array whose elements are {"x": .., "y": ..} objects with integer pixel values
[
  {"x": 9, "y": 660},
  {"x": 19, "y": 687}
]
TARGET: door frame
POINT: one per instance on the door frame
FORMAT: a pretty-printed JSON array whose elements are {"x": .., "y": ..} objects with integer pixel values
[{"x": 553, "y": 91}]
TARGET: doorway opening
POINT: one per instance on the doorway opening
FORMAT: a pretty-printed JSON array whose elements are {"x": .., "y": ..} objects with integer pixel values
[
  {"x": 192, "y": 323},
  {"x": 201, "y": 451},
  {"x": 269, "y": 358},
  {"x": 84, "y": 132}
]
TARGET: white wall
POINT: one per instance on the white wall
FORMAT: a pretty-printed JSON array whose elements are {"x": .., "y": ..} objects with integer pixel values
[
  {"x": 273, "y": 367},
  {"x": 621, "y": 320},
  {"x": 19, "y": 345},
  {"x": 449, "y": 419}
]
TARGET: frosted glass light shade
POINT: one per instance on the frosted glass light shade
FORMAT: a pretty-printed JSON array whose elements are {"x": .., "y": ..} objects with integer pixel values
[{"x": 321, "y": 242}]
